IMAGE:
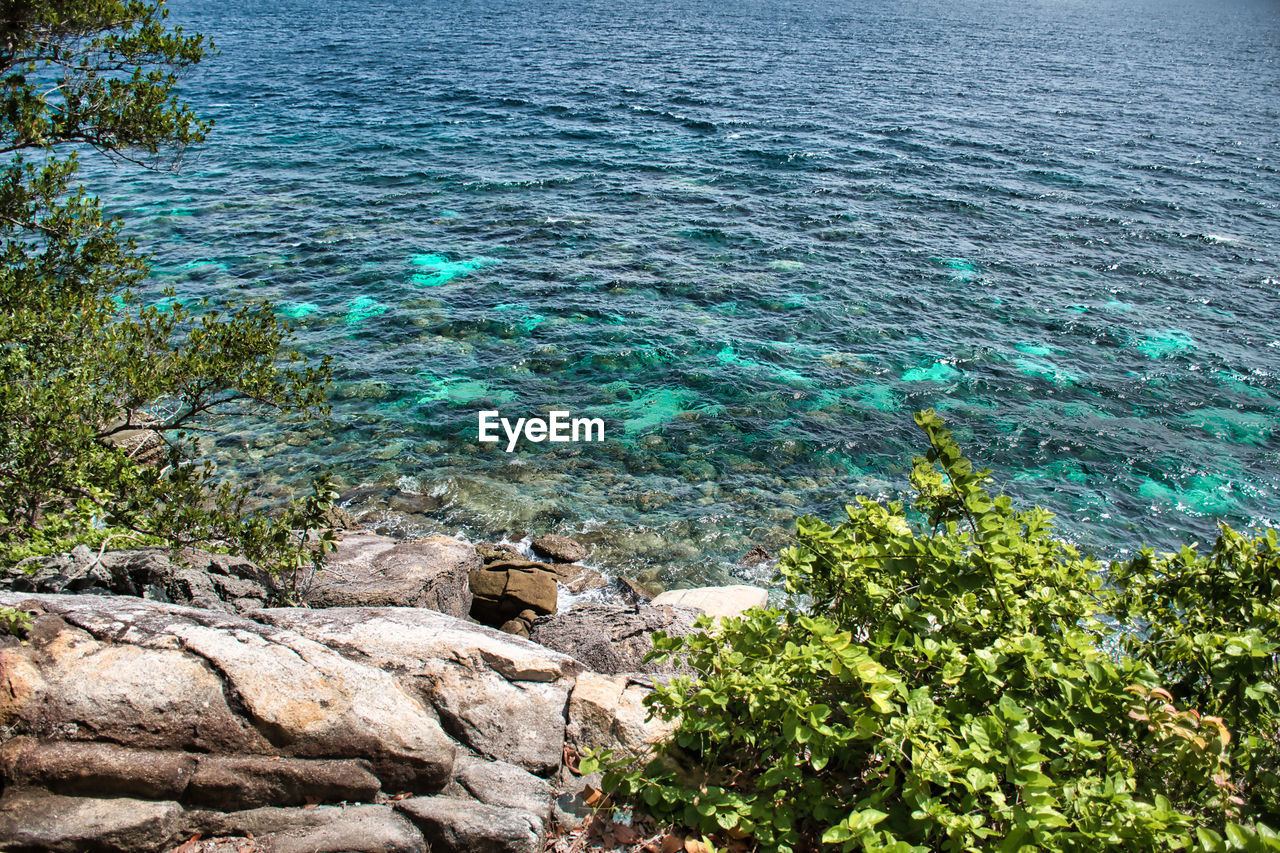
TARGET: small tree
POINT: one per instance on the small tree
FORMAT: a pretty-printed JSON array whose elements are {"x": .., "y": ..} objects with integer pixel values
[{"x": 81, "y": 362}]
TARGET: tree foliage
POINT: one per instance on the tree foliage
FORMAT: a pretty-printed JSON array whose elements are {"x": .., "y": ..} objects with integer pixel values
[
  {"x": 82, "y": 362},
  {"x": 953, "y": 682}
]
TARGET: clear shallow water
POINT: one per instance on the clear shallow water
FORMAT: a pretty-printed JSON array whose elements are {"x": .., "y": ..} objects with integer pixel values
[{"x": 754, "y": 237}]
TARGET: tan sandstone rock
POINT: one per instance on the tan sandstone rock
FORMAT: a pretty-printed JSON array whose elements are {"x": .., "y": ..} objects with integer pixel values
[{"x": 608, "y": 712}]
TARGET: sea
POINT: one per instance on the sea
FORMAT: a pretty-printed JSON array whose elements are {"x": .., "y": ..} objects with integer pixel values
[{"x": 754, "y": 237}]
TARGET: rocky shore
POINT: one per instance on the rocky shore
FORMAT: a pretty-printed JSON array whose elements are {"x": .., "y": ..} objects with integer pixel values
[{"x": 431, "y": 695}]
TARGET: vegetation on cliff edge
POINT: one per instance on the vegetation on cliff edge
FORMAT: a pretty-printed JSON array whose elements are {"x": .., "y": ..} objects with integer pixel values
[
  {"x": 83, "y": 361},
  {"x": 955, "y": 678}
]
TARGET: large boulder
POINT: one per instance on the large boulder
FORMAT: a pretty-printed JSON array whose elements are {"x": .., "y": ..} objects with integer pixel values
[
  {"x": 612, "y": 638},
  {"x": 716, "y": 600},
  {"x": 500, "y": 695},
  {"x": 369, "y": 570},
  {"x": 160, "y": 676},
  {"x": 196, "y": 578},
  {"x": 66, "y": 684}
]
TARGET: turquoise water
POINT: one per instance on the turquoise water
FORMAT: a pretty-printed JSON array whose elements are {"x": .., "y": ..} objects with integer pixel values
[{"x": 753, "y": 237}]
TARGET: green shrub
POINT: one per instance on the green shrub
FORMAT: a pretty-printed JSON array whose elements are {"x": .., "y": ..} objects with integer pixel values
[
  {"x": 1211, "y": 626},
  {"x": 950, "y": 683}
]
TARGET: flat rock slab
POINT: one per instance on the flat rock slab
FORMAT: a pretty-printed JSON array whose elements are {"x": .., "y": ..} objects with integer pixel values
[
  {"x": 716, "y": 600},
  {"x": 89, "y": 769},
  {"x": 234, "y": 782},
  {"x": 369, "y": 570},
  {"x": 327, "y": 829},
  {"x": 497, "y": 783},
  {"x": 466, "y": 826},
  {"x": 226, "y": 782},
  {"x": 36, "y": 820},
  {"x": 302, "y": 699}
]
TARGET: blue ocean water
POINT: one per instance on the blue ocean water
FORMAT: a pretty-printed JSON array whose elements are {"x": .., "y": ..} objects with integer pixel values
[{"x": 753, "y": 236}]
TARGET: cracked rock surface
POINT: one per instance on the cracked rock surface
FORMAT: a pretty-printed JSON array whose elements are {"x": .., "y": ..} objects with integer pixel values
[{"x": 134, "y": 724}]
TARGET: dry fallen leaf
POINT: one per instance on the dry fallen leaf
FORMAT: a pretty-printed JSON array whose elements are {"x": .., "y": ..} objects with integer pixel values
[
  {"x": 188, "y": 846},
  {"x": 692, "y": 845},
  {"x": 672, "y": 843},
  {"x": 625, "y": 834}
]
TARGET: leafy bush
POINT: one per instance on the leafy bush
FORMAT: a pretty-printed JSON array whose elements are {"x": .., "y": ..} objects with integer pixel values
[
  {"x": 952, "y": 683},
  {"x": 1211, "y": 626}
]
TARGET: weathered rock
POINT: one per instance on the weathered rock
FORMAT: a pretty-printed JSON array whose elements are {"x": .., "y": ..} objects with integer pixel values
[
  {"x": 501, "y": 590},
  {"x": 612, "y": 638},
  {"x": 198, "y": 578},
  {"x": 326, "y": 829},
  {"x": 578, "y": 579},
  {"x": 233, "y": 782},
  {"x": 559, "y": 548},
  {"x": 716, "y": 600},
  {"x": 369, "y": 570},
  {"x": 502, "y": 696},
  {"x": 155, "y": 686},
  {"x": 493, "y": 552},
  {"x": 569, "y": 808},
  {"x": 100, "y": 769},
  {"x": 608, "y": 712},
  {"x": 497, "y": 783},
  {"x": 66, "y": 685},
  {"x": 144, "y": 445},
  {"x": 339, "y": 519},
  {"x": 520, "y": 625},
  {"x": 225, "y": 782},
  {"x": 630, "y": 592},
  {"x": 36, "y": 820},
  {"x": 466, "y": 826}
]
